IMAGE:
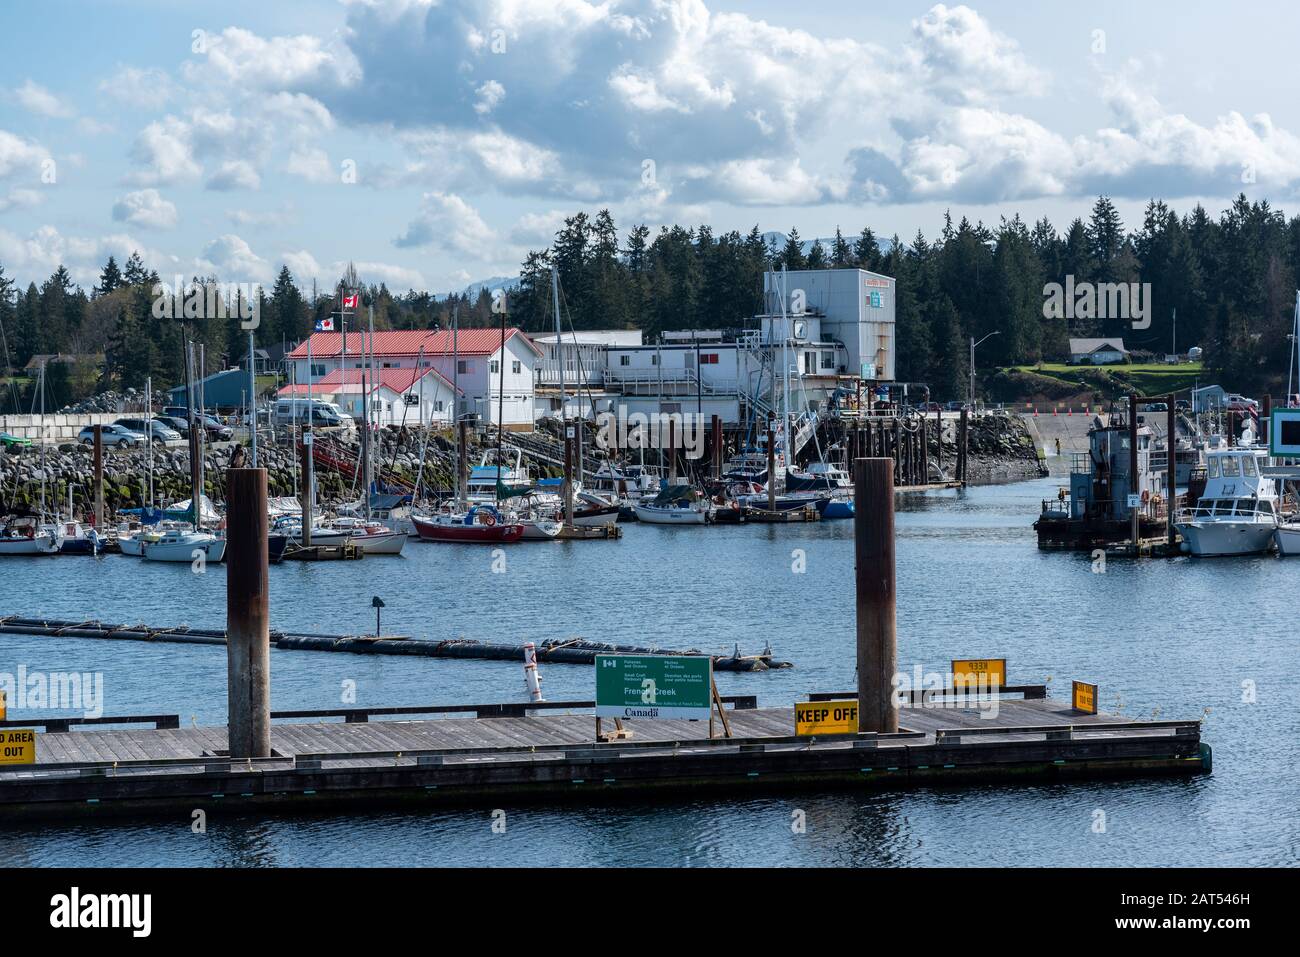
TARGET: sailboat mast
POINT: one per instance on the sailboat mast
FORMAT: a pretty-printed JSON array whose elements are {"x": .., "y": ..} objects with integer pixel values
[
  {"x": 559, "y": 336},
  {"x": 370, "y": 368},
  {"x": 43, "y": 442},
  {"x": 501, "y": 403},
  {"x": 455, "y": 392},
  {"x": 148, "y": 419}
]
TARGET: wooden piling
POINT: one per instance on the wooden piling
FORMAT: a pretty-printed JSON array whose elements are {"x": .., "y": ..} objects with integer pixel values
[
  {"x": 1133, "y": 464},
  {"x": 99, "y": 479},
  {"x": 873, "y": 506},
  {"x": 1171, "y": 469},
  {"x": 771, "y": 468},
  {"x": 248, "y": 615},
  {"x": 963, "y": 446},
  {"x": 569, "y": 432},
  {"x": 462, "y": 453},
  {"x": 305, "y": 492},
  {"x": 716, "y": 428}
]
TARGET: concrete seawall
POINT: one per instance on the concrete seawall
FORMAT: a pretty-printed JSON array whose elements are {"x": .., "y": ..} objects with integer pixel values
[{"x": 55, "y": 427}]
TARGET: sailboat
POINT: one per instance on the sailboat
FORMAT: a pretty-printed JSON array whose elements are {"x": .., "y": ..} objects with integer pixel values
[
  {"x": 31, "y": 535},
  {"x": 181, "y": 543}
]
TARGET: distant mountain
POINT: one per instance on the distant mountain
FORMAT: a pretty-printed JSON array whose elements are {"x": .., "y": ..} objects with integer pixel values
[
  {"x": 780, "y": 238},
  {"x": 508, "y": 283}
]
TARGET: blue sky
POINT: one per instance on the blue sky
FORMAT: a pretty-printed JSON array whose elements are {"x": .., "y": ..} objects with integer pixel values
[{"x": 433, "y": 143}]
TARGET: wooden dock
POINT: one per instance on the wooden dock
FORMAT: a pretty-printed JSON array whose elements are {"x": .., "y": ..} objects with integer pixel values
[{"x": 522, "y": 752}]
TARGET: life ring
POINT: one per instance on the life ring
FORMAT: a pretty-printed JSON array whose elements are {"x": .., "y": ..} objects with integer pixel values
[
  {"x": 488, "y": 518},
  {"x": 1146, "y": 496}
]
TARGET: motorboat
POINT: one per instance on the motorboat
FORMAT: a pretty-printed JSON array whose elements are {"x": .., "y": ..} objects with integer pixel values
[
  {"x": 372, "y": 537},
  {"x": 788, "y": 502},
  {"x": 818, "y": 477},
  {"x": 26, "y": 537},
  {"x": 185, "y": 545},
  {"x": 508, "y": 470},
  {"x": 1237, "y": 514},
  {"x": 748, "y": 466},
  {"x": 480, "y": 524},
  {"x": 539, "y": 529},
  {"x": 631, "y": 482}
]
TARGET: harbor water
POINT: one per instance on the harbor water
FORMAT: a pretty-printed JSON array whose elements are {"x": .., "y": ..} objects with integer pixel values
[{"x": 1176, "y": 638}]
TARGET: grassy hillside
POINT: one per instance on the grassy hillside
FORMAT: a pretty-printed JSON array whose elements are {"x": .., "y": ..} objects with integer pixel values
[{"x": 1058, "y": 381}]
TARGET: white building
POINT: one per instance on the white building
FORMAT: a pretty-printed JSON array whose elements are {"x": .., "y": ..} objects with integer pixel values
[
  {"x": 857, "y": 308},
  {"x": 1097, "y": 352},
  {"x": 472, "y": 358},
  {"x": 415, "y": 396}
]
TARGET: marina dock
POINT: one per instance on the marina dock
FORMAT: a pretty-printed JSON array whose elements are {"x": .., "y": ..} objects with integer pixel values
[{"x": 521, "y": 752}]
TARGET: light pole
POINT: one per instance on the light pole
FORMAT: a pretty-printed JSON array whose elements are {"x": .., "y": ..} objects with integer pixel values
[{"x": 973, "y": 344}]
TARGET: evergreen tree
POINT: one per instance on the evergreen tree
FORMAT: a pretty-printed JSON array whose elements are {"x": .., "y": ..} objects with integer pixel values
[{"x": 110, "y": 277}]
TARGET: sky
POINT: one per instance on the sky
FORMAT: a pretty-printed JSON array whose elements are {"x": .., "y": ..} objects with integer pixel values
[{"x": 434, "y": 142}]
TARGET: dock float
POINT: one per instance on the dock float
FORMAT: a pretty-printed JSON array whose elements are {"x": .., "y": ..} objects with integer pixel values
[
  {"x": 569, "y": 651},
  {"x": 526, "y": 751}
]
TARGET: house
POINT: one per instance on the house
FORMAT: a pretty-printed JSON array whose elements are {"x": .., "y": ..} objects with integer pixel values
[
  {"x": 263, "y": 364},
  {"x": 412, "y": 396},
  {"x": 1097, "y": 352},
  {"x": 475, "y": 359},
  {"x": 227, "y": 390}
]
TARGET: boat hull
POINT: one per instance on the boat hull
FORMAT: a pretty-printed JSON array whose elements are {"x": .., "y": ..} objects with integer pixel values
[
  {"x": 1287, "y": 538},
  {"x": 390, "y": 543},
  {"x": 212, "y": 549},
  {"x": 1225, "y": 539},
  {"x": 29, "y": 546},
  {"x": 457, "y": 532},
  {"x": 653, "y": 515}
]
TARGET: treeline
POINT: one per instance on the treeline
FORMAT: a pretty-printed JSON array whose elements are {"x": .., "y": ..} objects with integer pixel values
[
  {"x": 1231, "y": 282},
  {"x": 117, "y": 342}
]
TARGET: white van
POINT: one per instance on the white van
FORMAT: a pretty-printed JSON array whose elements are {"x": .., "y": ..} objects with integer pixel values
[{"x": 315, "y": 412}]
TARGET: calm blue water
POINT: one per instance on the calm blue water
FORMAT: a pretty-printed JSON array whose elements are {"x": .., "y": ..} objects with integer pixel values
[{"x": 1178, "y": 635}]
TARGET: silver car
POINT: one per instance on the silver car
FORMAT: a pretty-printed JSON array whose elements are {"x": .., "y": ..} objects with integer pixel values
[
  {"x": 160, "y": 432},
  {"x": 112, "y": 435}
]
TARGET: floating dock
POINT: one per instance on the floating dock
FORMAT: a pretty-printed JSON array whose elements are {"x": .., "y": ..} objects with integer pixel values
[
  {"x": 569, "y": 651},
  {"x": 522, "y": 752}
]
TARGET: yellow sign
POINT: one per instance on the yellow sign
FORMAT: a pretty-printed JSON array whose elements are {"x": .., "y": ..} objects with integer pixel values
[
  {"x": 1085, "y": 698},
  {"x": 17, "y": 746},
  {"x": 826, "y": 717},
  {"x": 976, "y": 671}
]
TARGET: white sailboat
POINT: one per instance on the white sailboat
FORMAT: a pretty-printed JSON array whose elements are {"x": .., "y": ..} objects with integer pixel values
[{"x": 33, "y": 535}]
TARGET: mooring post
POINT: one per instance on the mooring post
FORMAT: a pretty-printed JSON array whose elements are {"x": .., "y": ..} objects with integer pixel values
[
  {"x": 569, "y": 432},
  {"x": 1133, "y": 465},
  {"x": 873, "y": 507},
  {"x": 1171, "y": 469},
  {"x": 1265, "y": 415},
  {"x": 462, "y": 454},
  {"x": 963, "y": 445},
  {"x": 306, "y": 487},
  {"x": 771, "y": 467},
  {"x": 716, "y": 425},
  {"x": 99, "y": 479},
  {"x": 248, "y": 619}
]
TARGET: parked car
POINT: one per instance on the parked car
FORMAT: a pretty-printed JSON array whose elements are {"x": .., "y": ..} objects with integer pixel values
[
  {"x": 930, "y": 407},
  {"x": 178, "y": 425},
  {"x": 1235, "y": 402},
  {"x": 176, "y": 412},
  {"x": 8, "y": 441},
  {"x": 955, "y": 406},
  {"x": 114, "y": 434},
  {"x": 1153, "y": 407},
  {"x": 160, "y": 432},
  {"x": 214, "y": 428}
]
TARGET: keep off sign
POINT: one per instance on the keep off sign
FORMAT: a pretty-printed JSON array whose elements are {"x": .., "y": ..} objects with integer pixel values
[
  {"x": 1084, "y": 698},
  {"x": 976, "y": 671},
  {"x": 826, "y": 717},
  {"x": 17, "y": 746}
]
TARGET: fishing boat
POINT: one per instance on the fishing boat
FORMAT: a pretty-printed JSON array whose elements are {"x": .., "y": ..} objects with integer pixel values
[
  {"x": 79, "y": 540},
  {"x": 184, "y": 545},
  {"x": 675, "y": 505},
  {"x": 480, "y": 524},
  {"x": 1237, "y": 514},
  {"x": 25, "y": 536}
]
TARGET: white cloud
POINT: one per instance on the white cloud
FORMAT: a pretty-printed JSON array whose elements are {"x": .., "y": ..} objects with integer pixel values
[
  {"x": 35, "y": 257},
  {"x": 284, "y": 215},
  {"x": 19, "y": 198},
  {"x": 312, "y": 164},
  {"x": 37, "y": 99},
  {"x": 145, "y": 89},
  {"x": 240, "y": 57},
  {"x": 447, "y": 221},
  {"x": 18, "y": 155},
  {"x": 234, "y": 174},
  {"x": 489, "y": 95},
  {"x": 145, "y": 207},
  {"x": 231, "y": 259},
  {"x": 165, "y": 151},
  {"x": 962, "y": 58}
]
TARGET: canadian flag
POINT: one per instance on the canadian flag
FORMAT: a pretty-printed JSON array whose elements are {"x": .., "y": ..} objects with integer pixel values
[
  {"x": 325, "y": 325},
  {"x": 350, "y": 302}
]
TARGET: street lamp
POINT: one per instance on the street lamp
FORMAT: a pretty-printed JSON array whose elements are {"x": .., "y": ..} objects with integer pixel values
[{"x": 973, "y": 344}]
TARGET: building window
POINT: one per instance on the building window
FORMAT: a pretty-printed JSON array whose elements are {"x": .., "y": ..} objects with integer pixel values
[
  {"x": 709, "y": 359},
  {"x": 828, "y": 360},
  {"x": 810, "y": 363},
  {"x": 516, "y": 367},
  {"x": 317, "y": 370},
  {"x": 654, "y": 360},
  {"x": 437, "y": 406},
  {"x": 494, "y": 366},
  {"x": 625, "y": 360},
  {"x": 462, "y": 366},
  {"x": 411, "y": 398},
  {"x": 388, "y": 365}
]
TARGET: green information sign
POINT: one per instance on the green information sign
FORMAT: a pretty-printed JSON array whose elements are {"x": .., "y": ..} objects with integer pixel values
[{"x": 653, "y": 686}]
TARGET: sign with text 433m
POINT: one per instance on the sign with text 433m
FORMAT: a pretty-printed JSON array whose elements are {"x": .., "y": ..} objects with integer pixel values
[{"x": 654, "y": 686}]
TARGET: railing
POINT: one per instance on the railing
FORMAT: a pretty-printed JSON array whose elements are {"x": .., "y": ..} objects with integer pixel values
[{"x": 63, "y": 725}]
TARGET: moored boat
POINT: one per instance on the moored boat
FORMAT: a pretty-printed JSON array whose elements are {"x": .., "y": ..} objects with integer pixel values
[
  {"x": 482, "y": 524},
  {"x": 185, "y": 545},
  {"x": 1238, "y": 512}
]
